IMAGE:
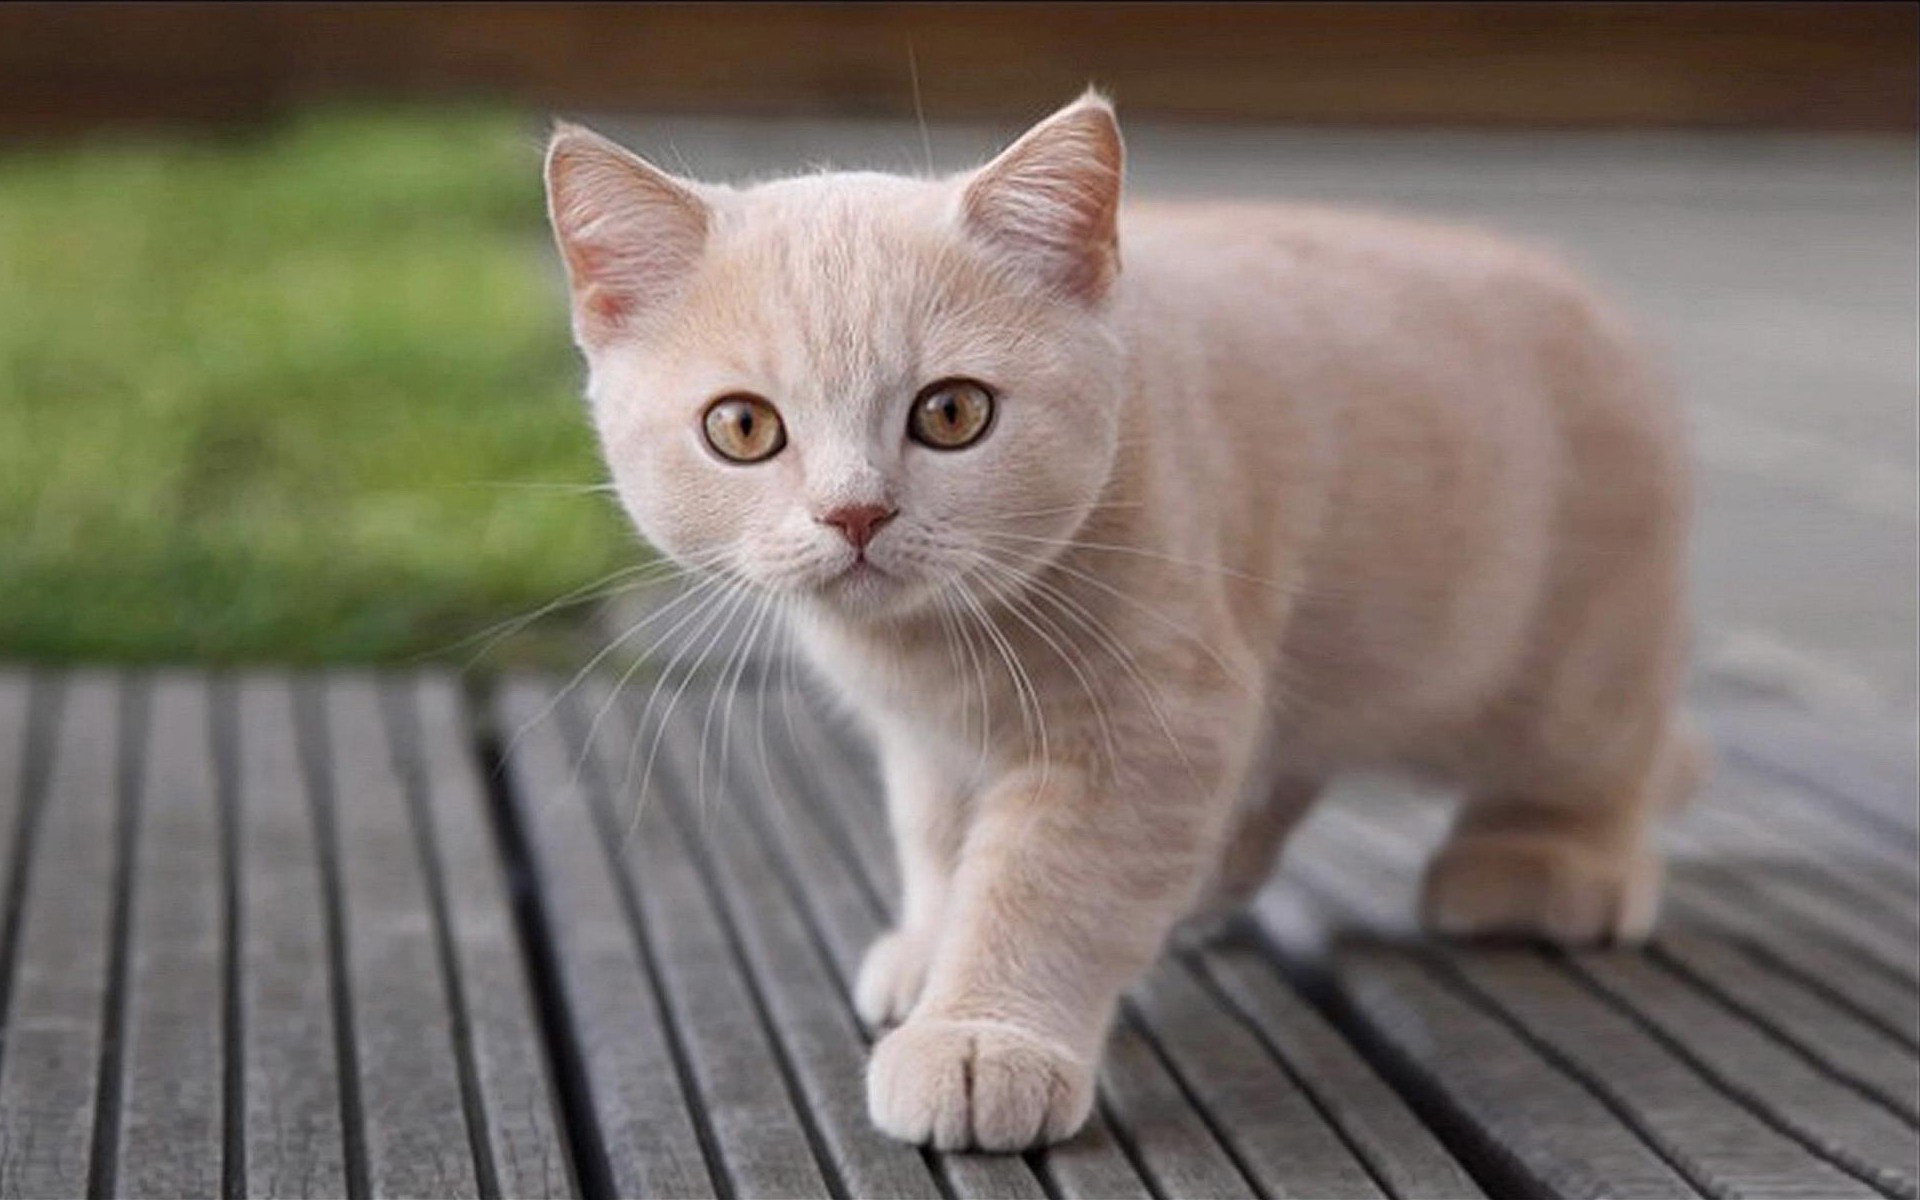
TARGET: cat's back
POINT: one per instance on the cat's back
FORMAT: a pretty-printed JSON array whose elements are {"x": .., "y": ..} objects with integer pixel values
[
  {"x": 1337, "y": 263},
  {"x": 1459, "y": 410},
  {"x": 1379, "y": 310}
]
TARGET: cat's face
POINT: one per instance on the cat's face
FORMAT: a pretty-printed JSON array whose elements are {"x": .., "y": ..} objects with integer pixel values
[{"x": 858, "y": 391}]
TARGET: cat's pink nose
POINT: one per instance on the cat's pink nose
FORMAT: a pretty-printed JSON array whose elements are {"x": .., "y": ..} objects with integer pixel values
[{"x": 858, "y": 522}]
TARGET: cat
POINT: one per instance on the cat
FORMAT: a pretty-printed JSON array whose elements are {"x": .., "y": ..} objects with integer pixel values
[{"x": 1125, "y": 529}]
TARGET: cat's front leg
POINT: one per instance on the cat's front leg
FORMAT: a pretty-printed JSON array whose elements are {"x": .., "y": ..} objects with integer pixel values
[
  {"x": 1063, "y": 894},
  {"x": 926, "y": 811}
]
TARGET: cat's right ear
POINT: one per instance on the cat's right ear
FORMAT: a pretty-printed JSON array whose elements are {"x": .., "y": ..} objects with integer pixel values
[{"x": 629, "y": 232}]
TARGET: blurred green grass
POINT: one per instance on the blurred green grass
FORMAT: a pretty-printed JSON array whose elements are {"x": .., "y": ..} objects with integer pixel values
[{"x": 281, "y": 397}]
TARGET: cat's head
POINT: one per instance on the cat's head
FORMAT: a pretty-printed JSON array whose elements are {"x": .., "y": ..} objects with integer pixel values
[{"x": 853, "y": 389}]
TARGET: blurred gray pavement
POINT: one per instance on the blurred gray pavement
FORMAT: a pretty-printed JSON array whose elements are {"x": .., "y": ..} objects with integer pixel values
[{"x": 1777, "y": 274}]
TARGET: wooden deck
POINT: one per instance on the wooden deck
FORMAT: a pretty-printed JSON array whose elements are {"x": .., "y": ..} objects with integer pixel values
[{"x": 354, "y": 935}]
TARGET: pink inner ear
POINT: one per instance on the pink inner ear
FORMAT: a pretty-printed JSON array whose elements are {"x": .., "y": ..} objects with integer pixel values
[
  {"x": 602, "y": 297},
  {"x": 626, "y": 270},
  {"x": 607, "y": 307},
  {"x": 629, "y": 233},
  {"x": 1052, "y": 199}
]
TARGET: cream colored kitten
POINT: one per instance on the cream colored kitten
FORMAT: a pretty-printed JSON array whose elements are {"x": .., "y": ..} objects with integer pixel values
[{"x": 1125, "y": 531}]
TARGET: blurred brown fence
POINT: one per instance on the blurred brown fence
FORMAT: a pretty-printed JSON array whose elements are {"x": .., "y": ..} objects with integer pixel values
[{"x": 1780, "y": 65}]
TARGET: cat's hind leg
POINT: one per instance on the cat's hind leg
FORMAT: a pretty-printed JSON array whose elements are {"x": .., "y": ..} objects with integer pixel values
[
  {"x": 1568, "y": 769},
  {"x": 1571, "y": 868}
]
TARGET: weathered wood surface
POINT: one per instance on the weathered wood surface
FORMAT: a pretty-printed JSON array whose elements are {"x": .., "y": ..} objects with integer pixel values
[
  {"x": 346, "y": 935},
  {"x": 257, "y": 941},
  {"x": 1764, "y": 1043},
  {"x": 750, "y": 839}
]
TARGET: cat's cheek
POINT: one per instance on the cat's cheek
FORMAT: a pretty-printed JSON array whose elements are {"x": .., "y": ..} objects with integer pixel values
[{"x": 660, "y": 529}]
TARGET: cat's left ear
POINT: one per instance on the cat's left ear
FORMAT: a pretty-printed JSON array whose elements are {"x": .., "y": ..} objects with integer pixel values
[
  {"x": 1052, "y": 199},
  {"x": 630, "y": 233}
]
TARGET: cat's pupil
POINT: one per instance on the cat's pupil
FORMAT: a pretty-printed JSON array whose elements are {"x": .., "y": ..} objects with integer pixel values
[
  {"x": 744, "y": 428},
  {"x": 950, "y": 415}
]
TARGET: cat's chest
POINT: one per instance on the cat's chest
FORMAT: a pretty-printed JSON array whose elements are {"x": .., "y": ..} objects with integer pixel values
[{"x": 907, "y": 674}]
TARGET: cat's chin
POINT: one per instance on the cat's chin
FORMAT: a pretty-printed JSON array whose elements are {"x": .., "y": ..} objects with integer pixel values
[{"x": 865, "y": 593}]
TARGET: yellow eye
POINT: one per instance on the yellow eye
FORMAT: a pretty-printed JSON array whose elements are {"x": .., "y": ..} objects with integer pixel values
[
  {"x": 951, "y": 414},
  {"x": 744, "y": 429}
]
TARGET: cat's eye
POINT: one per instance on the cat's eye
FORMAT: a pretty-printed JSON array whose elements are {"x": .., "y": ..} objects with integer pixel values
[
  {"x": 744, "y": 428},
  {"x": 951, "y": 414}
]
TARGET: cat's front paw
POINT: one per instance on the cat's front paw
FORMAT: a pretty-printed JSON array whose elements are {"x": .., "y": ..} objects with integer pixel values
[
  {"x": 892, "y": 975},
  {"x": 1530, "y": 885},
  {"x": 984, "y": 1085}
]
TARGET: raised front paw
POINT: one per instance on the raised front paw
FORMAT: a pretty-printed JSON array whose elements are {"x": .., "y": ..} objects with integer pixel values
[
  {"x": 891, "y": 977},
  {"x": 1530, "y": 885},
  {"x": 983, "y": 1085}
]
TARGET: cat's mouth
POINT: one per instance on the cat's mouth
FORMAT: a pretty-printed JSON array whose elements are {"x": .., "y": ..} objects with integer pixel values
[
  {"x": 861, "y": 586},
  {"x": 861, "y": 572}
]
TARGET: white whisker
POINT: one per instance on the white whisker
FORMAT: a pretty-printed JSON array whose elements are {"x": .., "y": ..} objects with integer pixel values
[
  {"x": 1059, "y": 646},
  {"x": 554, "y": 701},
  {"x": 1284, "y": 587},
  {"x": 585, "y": 593},
  {"x": 1034, "y": 563},
  {"x": 1022, "y": 681},
  {"x": 1129, "y": 663},
  {"x": 736, "y": 598}
]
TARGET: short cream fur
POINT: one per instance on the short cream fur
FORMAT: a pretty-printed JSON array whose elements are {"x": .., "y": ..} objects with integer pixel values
[{"x": 1269, "y": 493}]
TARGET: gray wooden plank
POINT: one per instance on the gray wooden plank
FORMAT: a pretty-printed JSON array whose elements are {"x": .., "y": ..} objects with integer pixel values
[
  {"x": 411, "y": 1107},
  {"x": 1794, "y": 819},
  {"x": 516, "y": 1098},
  {"x": 1726, "y": 1147},
  {"x": 1783, "y": 894},
  {"x": 1767, "y": 827},
  {"x": 1366, "y": 869},
  {"x": 832, "y": 882},
  {"x": 1841, "y": 1043},
  {"x": 171, "y": 1128},
  {"x": 1172, "y": 1144},
  {"x": 1867, "y": 766},
  {"x": 51, "y": 1062},
  {"x": 829, "y": 820},
  {"x": 1543, "y": 1132},
  {"x": 1093, "y": 1165},
  {"x": 643, "y": 1115},
  {"x": 1741, "y": 808},
  {"x": 1401, "y": 1151},
  {"x": 1753, "y": 1124},
  {"x": 852, "y": 794},
  {"x": 294, "y": 1143},
  {"x": 821, "y": 1036},
  {"x": 1862, "y": 1136},
  {"x": 1389, "y": 836},
  {"x": 22, "y": 769},
  {"x": 758, "y": 1131},
  {"x": 1887, "y": 1003},
  {"x": 1805, "y": 876},
  {"x": 18, "y": 697},
  {"x": 1273, "y": 1129}
]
